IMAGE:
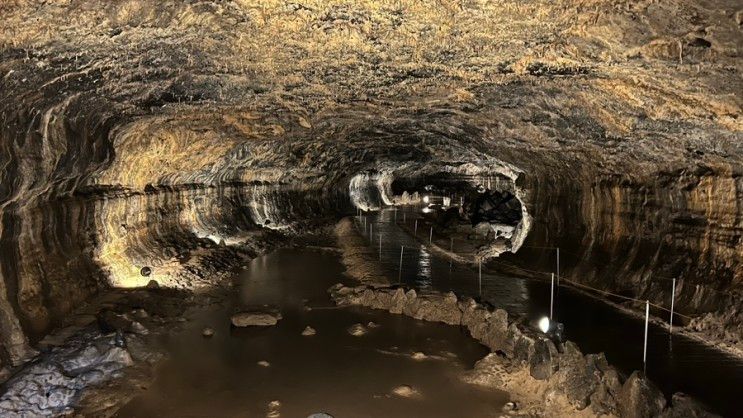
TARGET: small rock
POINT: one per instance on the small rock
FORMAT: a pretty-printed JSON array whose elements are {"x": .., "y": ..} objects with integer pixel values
[
  {"x": 273, "y": 409},
  {"x": 357, "y": 330},
  {"x": 418, "y": 356},
  {"x": 153, "y": 284},
  {"x": 320, "y": 415},
  {"x": 372, "y": 324},
  {"x": 140, "y": 313},
  {"x": 207, "y": 332},
  {"x": 405, "y": 391},
  {"x": 255, "y": 318},
  {"x": 309, "y": 331},
  {"x": 510, "y": 406},
  {"x": 264, "y": 363}
]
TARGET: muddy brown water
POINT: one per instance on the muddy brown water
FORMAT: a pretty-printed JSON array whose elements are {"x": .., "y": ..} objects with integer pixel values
[
  {"x": 676, "y": 363},
  {"x": 332, "y": 371}
]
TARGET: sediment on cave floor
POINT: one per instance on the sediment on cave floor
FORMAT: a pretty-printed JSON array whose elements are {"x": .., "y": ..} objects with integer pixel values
[{"x": 182, "y": 182}]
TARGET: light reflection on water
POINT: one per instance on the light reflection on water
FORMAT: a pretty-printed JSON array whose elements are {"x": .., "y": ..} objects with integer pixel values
[{"x": 675, "y": 363}]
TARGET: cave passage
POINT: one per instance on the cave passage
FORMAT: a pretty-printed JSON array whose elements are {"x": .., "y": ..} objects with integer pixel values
[
  {"x": 331, "y": 371},
  {"x": 343, "y": 208},
  {"x": 675, "y": 362}
]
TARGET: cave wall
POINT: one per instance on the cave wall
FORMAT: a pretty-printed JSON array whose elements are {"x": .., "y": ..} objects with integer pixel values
[
  {"x": 144, "y": 133},
  {"x": 631, "y": 236}
]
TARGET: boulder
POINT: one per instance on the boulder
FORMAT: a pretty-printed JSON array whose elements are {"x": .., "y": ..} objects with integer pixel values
[
  {"x": 437, "y": 307},
  {"x": 255, "y": 319},
  {"x": 398, "y": 301},
  {"x": 574, "y": 377},
  {"x": 543, "y": 361},
  {"x": 639, "y": 398},
  {"x": 411, "y": 303},
  {"x": 519, "y": 346},
  {"x": 496, "y": 331},
  {"x": 604, "y": 398}
]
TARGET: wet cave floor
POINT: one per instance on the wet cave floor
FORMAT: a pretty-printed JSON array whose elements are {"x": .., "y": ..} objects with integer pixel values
[
  {"x": 346, "y": 375},
  {"x": 332, "y": 371}
]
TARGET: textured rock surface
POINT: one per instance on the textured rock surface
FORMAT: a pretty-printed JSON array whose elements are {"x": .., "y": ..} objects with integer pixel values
[
  {"x": 553, "y": 383},
  {"x": 144, "y": 134},
  {"x": 255, "y": 319}
]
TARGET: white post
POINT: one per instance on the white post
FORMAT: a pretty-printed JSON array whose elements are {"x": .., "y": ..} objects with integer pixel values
[
  {"x": 364, "y": 223},
  {"x": 399, "y": 275},
  {"x": 415, "y": 229},
  {"x": 552, "y": 296},
  {"x": 430, "y": 236},
  {"x": 645, "y": 347},
  {"x": 479, "y": 276},
  {"x": 558, "y": 266},
  {"x": 380, "y": 246},
  {"x": 673, "y": 297},
  {"x": 451, "y": 250}
]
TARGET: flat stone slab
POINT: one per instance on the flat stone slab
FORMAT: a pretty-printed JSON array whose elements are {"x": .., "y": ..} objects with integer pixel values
[{"x": 255, "y": 319}]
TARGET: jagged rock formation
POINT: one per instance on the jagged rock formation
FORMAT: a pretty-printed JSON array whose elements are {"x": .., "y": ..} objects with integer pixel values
[
  {"x": 143, "y": 134},
  {"x": 528, "y": 363}
]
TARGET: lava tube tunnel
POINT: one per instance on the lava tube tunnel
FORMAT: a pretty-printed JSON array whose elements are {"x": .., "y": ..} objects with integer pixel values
[{"x": 347, "y": 208}]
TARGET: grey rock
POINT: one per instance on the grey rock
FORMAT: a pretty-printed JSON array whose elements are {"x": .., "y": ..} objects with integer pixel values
[
  {"x": 639, "y": 398},
  {"x": 574, "y": 377},
  {"x": 543, "y": 361}
]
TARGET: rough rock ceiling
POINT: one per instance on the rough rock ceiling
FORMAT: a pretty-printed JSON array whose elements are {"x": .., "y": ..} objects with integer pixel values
[{"x": 130, "y": 93}]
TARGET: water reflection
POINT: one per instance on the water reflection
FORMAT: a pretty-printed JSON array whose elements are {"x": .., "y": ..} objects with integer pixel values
[
  {"x": 677, "y": 364},
  {"x": 423, "y": 277}
]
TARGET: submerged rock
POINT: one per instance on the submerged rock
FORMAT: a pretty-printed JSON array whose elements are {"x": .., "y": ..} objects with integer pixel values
[
  {"x": 273, "y": 409},
  {"x": 308, "y": 331},
  {"x": 263, "y": 363},
  {"x": 357, "y": 330},
  {"x": 255, "y": 319},
  {"x": 406, "y": 391},
  {"x": 207, "y": 332}
]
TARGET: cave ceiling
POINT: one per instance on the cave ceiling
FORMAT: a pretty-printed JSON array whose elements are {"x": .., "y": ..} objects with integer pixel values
[{"x": 126, "y": 94}]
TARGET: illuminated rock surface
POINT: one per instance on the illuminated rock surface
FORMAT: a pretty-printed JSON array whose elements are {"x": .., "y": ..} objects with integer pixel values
[{"x": 186, "y": 137}]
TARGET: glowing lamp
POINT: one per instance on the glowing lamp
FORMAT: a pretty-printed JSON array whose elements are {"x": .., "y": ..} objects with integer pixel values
[{"x": 544, "y": 324}]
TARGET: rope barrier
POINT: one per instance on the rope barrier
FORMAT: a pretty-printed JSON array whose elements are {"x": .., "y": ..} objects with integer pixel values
[{"x": 573, "y": 283}]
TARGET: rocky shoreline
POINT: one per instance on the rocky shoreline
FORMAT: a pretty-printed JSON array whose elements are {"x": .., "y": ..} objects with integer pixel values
[{"x": 547, "y": 378}]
